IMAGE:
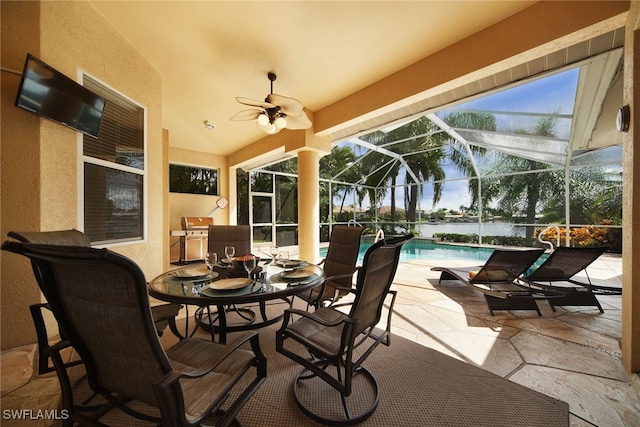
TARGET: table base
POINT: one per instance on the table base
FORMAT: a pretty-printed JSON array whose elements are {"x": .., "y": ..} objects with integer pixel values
[{"x": 216, "y": 321}]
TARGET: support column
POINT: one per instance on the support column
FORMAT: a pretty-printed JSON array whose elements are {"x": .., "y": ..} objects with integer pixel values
[
  {"x": 166, "y": 211},
  {"x": 232, "y": 208},
  {"x": 309, "y": 205},
  {"x": 631, "y": 197}
]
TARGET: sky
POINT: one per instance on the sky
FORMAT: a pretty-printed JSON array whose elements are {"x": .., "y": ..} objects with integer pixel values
[{"x": 545, "y": 95}]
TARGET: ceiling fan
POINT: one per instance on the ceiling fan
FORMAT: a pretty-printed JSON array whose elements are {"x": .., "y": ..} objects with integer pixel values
[{"x": 275, "y": 113}]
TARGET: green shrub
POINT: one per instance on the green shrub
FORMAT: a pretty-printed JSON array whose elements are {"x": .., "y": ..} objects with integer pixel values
[{"x": 487, "y": 240}]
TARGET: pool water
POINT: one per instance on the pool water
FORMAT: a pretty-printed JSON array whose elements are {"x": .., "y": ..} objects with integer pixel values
[{"x": 426, "y": 249}]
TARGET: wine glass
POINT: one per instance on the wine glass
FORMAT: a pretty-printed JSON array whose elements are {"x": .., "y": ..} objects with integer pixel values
[
  {"x": 283, "y": 257},
  {"x": 273, "y": 251},
  {"x": 211, "y": 260},
  {"x": 229, "y": 251},
  {"x": 249, "y": 263}
]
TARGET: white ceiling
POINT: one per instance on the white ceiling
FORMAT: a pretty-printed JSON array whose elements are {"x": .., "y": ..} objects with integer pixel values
[{"x": 209, "y": 52}]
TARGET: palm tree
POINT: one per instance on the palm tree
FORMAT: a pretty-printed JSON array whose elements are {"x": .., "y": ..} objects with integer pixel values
[
  {"x": 608, "y": 202},
  {"x": 425, "y": 166},
  {"x": 419, "y": 144},
  {"x": 340, "y": 164},
  {"x": 422, "y": 147},
  {"x": 458, "y": 153},
  {"x": 522, "y": 192},
  {"x": 596, "y": 196},
  {"x": 378, "y": 170}
]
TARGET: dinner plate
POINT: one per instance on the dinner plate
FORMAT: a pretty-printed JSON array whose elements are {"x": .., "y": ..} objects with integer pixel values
[
  {"x": 292, "y": 263},
  {"x": 230, "y": 284},
  {"x": 300, "y": 273},
  {"x": 191, "y": 273}
]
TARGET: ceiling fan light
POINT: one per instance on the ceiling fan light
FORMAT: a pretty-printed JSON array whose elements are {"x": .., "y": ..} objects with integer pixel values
[
  {"x": 281, "y": 122},
  {"x": 269, "y": 128},
  {"x": 275, "y": 113},
  {"x": 263, "y": 119}
]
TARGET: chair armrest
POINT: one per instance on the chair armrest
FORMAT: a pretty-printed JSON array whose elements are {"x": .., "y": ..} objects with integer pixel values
[
  {"x": 336, "y": 295},
  {"x": 41, "y": 305},
  {"x": 166, "y": 387},
  {"x": 61, "y": 371},
  {"x": 346, "y": 288},
  {"x": 340, "y": 276},
  {"x": 169, "y": 379},
  {"x": 313, "y": 316},
  {"x": 215, "y": 358},
  {"x": 336, "y": 288},
  {"x": 60, "y": 345}
]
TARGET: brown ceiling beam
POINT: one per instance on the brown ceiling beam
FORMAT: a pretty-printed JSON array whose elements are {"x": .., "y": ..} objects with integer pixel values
[{"x": 542, "y": 24}]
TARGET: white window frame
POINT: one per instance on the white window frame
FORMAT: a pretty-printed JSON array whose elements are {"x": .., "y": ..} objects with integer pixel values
[{"x": 82, "y": 159}]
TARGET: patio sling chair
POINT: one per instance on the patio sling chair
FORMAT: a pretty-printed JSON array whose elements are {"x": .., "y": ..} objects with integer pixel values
[
  {"x": 497, "y": 280},
  {"x": 339, "y": 266},
  {"x": 219, "y": 237},
  {"x": 123, "y": 357},
  {"x": 556, "y": 274},
  {"x": 238, "y": 236},
  {"x": 163, "y": 314},
  {"x": 333, "y": 369}
]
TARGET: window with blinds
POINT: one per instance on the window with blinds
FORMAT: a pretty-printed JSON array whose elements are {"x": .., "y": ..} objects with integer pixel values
[{"x": 114, "y": 165}]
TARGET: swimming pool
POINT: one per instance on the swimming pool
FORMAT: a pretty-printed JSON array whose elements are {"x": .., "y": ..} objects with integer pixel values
[{"x": 426, "y": 249}]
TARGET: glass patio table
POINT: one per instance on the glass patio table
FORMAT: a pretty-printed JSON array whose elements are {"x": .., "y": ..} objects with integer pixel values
[{"x": 198, "y": 286}]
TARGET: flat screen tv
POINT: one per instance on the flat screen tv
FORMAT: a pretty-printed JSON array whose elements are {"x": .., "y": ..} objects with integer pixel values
[{"x": 49, "y": 93}]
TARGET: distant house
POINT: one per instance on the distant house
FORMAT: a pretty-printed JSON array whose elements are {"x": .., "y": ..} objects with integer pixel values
[
  {"x": 386, "y": 209},
  {"x": 337, "y": 209}
]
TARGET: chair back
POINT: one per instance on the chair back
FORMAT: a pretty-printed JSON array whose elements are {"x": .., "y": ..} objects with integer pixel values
[
  {"x": 71, "y": 237},
  {"x": 374, "y": 280},
  {"x": 342, "y": 255},
  {"x": 504, "y": 266},
  {"x": 238, "y": 236},
  {"x": 566, "y": 262},
  {"x": 100, "y": 300}
]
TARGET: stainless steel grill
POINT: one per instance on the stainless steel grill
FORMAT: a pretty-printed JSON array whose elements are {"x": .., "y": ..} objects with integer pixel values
[{"x": 193, "y": 237}]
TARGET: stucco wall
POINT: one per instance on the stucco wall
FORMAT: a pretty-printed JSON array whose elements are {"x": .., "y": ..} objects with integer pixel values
[
  {"x": 20, "y": 156},
  {"x": 42, "y": 193}
]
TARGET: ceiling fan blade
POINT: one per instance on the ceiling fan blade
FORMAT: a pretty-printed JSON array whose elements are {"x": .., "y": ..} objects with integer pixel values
[
  {"x": 247, "y": 115},
  {"x": 254, "y": 103},
  {"x": 289, "y": 106},
  {"x": 298, "y": 122}
]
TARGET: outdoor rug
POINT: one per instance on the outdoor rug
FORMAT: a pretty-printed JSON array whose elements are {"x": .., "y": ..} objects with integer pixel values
[{"x": 419, "y": 387}]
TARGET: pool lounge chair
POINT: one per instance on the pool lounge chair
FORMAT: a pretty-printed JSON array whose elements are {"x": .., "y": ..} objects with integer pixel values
[
  {"x": 556, "y": 274},
  {"x": 497, "y": 279}
]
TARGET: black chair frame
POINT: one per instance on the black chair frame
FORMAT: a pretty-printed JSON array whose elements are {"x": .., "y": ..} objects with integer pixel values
[
  {"x": 71, "y": 238},
  {"x": 339, "y": 368},
  {"x": 168, "y": 389}
]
